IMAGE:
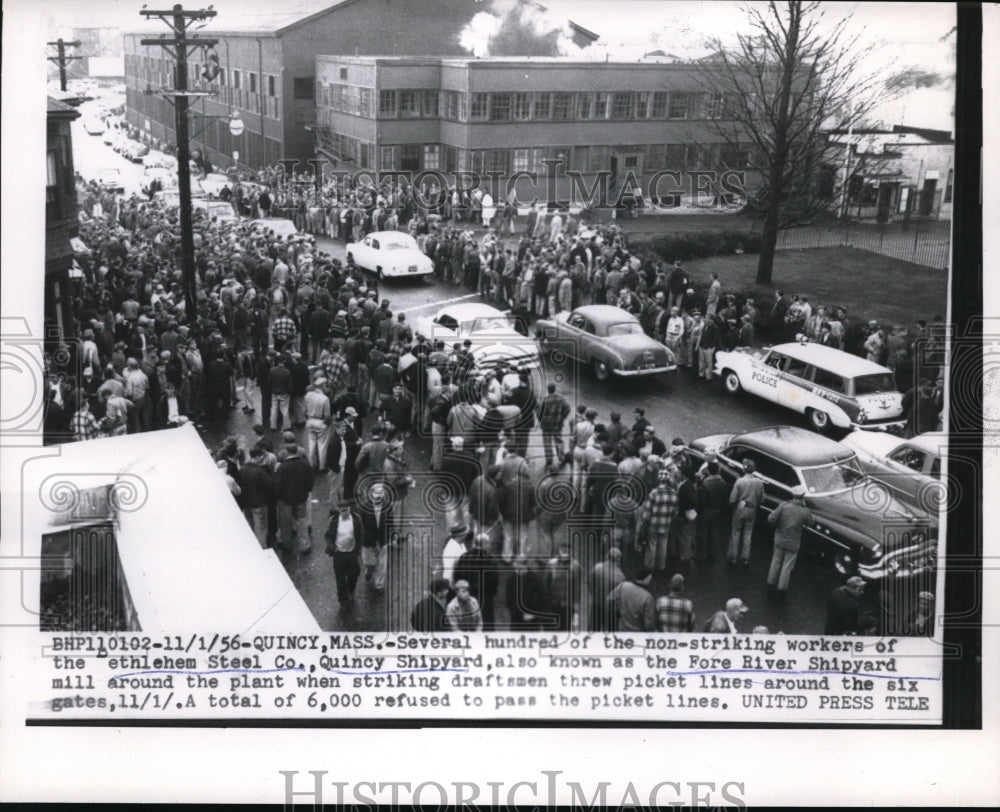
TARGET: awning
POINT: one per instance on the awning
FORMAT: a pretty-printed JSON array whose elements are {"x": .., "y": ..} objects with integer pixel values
[{"x": 79, "y": 246}]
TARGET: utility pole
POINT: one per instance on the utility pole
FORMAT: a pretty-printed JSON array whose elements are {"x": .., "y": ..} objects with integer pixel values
[
  {"x": 62, "y": 59},
  {"x": 178, "y": 20}
]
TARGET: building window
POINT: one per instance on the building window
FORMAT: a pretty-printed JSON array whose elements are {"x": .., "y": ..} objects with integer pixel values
[
  {"x": 734, "y": 156},
  {"x": 450, "y": 159},
  {"x": 476, "y": 160},
  {"x": 387, "y": 102},
  {"x": 343, "y": 73},
  {"x": 622, "y": 106},
  {"x": 409, "y": 103},
  {"x": 679, "y": 103},
  {"x": 657, "y": 157},
  {"x": 522, "y": 106},
  {"x": 500, "y": 107},
  {"x": 366, "y": 102},
  {"x": 714, "y": 105},
  {"x": 430, "y": 103},
  {"x": 271, "y": 90},
  {"x": 237, "y": 80},
  {"x": 451, "y": 100},
  {"x": 659, "y": 105},
  {"x": 642, "y": 105},
  {"x": 478, "y": 107},
  {"x": 253, "y": 82},
  {"x": 675, "y": 156},
  {"x": 222, "y": 77},
  {"x": 432, "y": 156},
  {"x": 388, "y": 159},
  {"x": 52, "y": 208},
  {"x": 563, "y": 156},
  {"x": 583, "y": 105},
  {"x": 367, "y": 151},
  {"x": 580, "y": 155},
  {"x": 499, "y": 161},
  {"x": 409, "y": 158},
  {"x": 600, "y": 105},
  {"x": 543, "y": 106},
  {"x": 522, "y": 160},
  {"x": 599, "y": 158},
  {"x": 303, "y": 88},
  {"x": 562, "y": 106}
]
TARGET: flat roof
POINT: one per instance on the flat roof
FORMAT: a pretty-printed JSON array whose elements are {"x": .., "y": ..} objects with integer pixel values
[
  {"x": 499, "y": 61},
  {"x": 836, "y": 361}
]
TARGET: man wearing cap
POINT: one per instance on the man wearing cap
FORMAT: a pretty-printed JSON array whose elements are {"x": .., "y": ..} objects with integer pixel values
[
  {"x": 674, "y": 612},
  {"x": 463, "y": 611},
  {"x": 843, "y": 607},
  {"x": 921, "y": 622},
  {"x": 481, "y": 569},
  {"x": 788, "y": 519},
  {"x": 343, "y": 543},
  {"x": 724, "y": 621},
  {"x": 632, "y": 603}
]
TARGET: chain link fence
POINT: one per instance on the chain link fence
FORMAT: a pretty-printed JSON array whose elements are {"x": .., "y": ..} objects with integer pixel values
[{"x": 921, "y": 240}]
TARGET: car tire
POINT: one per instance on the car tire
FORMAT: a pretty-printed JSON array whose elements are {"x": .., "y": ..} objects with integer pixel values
[
  {"x": 731, "y": 382},
  {"x": 378, "y": 273},
  {"x": 819, "y": 420},
  {"x": 601, "y": 370}
]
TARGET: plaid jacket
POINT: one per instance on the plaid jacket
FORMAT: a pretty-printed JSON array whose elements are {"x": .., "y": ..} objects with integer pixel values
[
  {"x": 675, "y": 614},
  {"x": 284, "y": 328},
  {"x": 659, "y": 509},
  {"x": 84, "y": 425},
  {"x": 337, "y": 371},
  {"x": 553, "y": 412}
]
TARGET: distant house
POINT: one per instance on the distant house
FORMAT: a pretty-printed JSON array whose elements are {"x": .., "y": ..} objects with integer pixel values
[{"x": 892, "y": 174}]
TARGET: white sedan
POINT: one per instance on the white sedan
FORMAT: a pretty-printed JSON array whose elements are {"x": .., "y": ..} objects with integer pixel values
[
  {"x": 390, "y": 254},
  {"x": 277, "y": 225},
  {"x": 493, "y": 339},
  {"x": 910, "y": 468}
]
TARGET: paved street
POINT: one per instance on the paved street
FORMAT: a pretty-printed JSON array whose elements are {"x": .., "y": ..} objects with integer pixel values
[{"x": 687, "y": 407}]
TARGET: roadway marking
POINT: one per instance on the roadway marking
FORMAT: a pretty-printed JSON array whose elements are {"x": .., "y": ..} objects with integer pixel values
[{"x": 442, "y": 302}]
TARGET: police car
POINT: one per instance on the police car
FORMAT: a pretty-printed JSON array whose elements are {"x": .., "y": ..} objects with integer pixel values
[{"x": 830, "y": 387}]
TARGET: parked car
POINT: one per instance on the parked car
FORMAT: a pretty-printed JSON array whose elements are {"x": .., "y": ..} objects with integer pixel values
[
  {"x": 111, "y": 179},
  {"x": 390, "y": 254},
  {"x": 159, "y": 160},
  {"x": 220, "y": 210},
  {"x": 911, "y": 468},
  {"x": 829, "y": 386},
  {"x": 283, "y": 228},
  {"x": 490, "y": 331},
  {"x": 134, "y": 150},
  {"x": 93, "y": 126},
  {"x": 858, "y": 524},
  {"x": 608, "y": 339}
]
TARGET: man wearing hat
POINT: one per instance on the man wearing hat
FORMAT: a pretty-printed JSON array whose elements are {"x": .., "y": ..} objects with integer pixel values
[
  {"x": 843, "y": 607},
  {"x": 633, "y": 604},
  {"x": 430, "y": 614},
  {"x": 921, "y": 623},
  {"x": 658, "y": 512},
  {"x": 724, "y": 621},
  {"x": 788, "y": 519},
  {"x": 343, "y": 543}
]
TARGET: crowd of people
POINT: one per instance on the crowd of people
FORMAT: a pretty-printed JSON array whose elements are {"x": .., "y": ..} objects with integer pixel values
[{"x": 343, "y": 385}]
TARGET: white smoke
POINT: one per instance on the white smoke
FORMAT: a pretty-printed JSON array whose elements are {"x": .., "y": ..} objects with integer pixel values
[
  {"x": 476, "y": 36},
  {"x": 485, "y": 25}
]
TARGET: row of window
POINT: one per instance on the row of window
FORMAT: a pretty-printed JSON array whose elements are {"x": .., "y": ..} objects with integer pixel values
[
  {"x": 640, "y": 158},
  {"x": 533, "y": 106}
]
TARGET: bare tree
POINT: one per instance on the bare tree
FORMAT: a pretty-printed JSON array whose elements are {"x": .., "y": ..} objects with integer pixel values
[{"x": 791, "y": 77}]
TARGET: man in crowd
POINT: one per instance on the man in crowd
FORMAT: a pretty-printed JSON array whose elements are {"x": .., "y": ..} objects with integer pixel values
[
  {"x": 293, "y": 484},
  {"x": 745, "y": 499},
  {"x": 430, "y": 613},
  {"x": 633, "y": 604},
  {"x": 344, "y": 538},
  {"x": 788, "y": 519},
  {"x": 674, "y": 612}
]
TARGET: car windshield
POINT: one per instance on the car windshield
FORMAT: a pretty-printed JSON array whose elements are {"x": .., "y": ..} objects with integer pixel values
[
  {"x": 838, "y": 476},
  {"x": 485, "y": 324},
  {"x": 874, "y": 384},
  {"x": 624, "y": 328}
]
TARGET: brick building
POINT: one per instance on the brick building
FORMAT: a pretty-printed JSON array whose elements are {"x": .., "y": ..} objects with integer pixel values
[
  {"x": 519, "y": 115},
  {"x": 268, "y": 61}
]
